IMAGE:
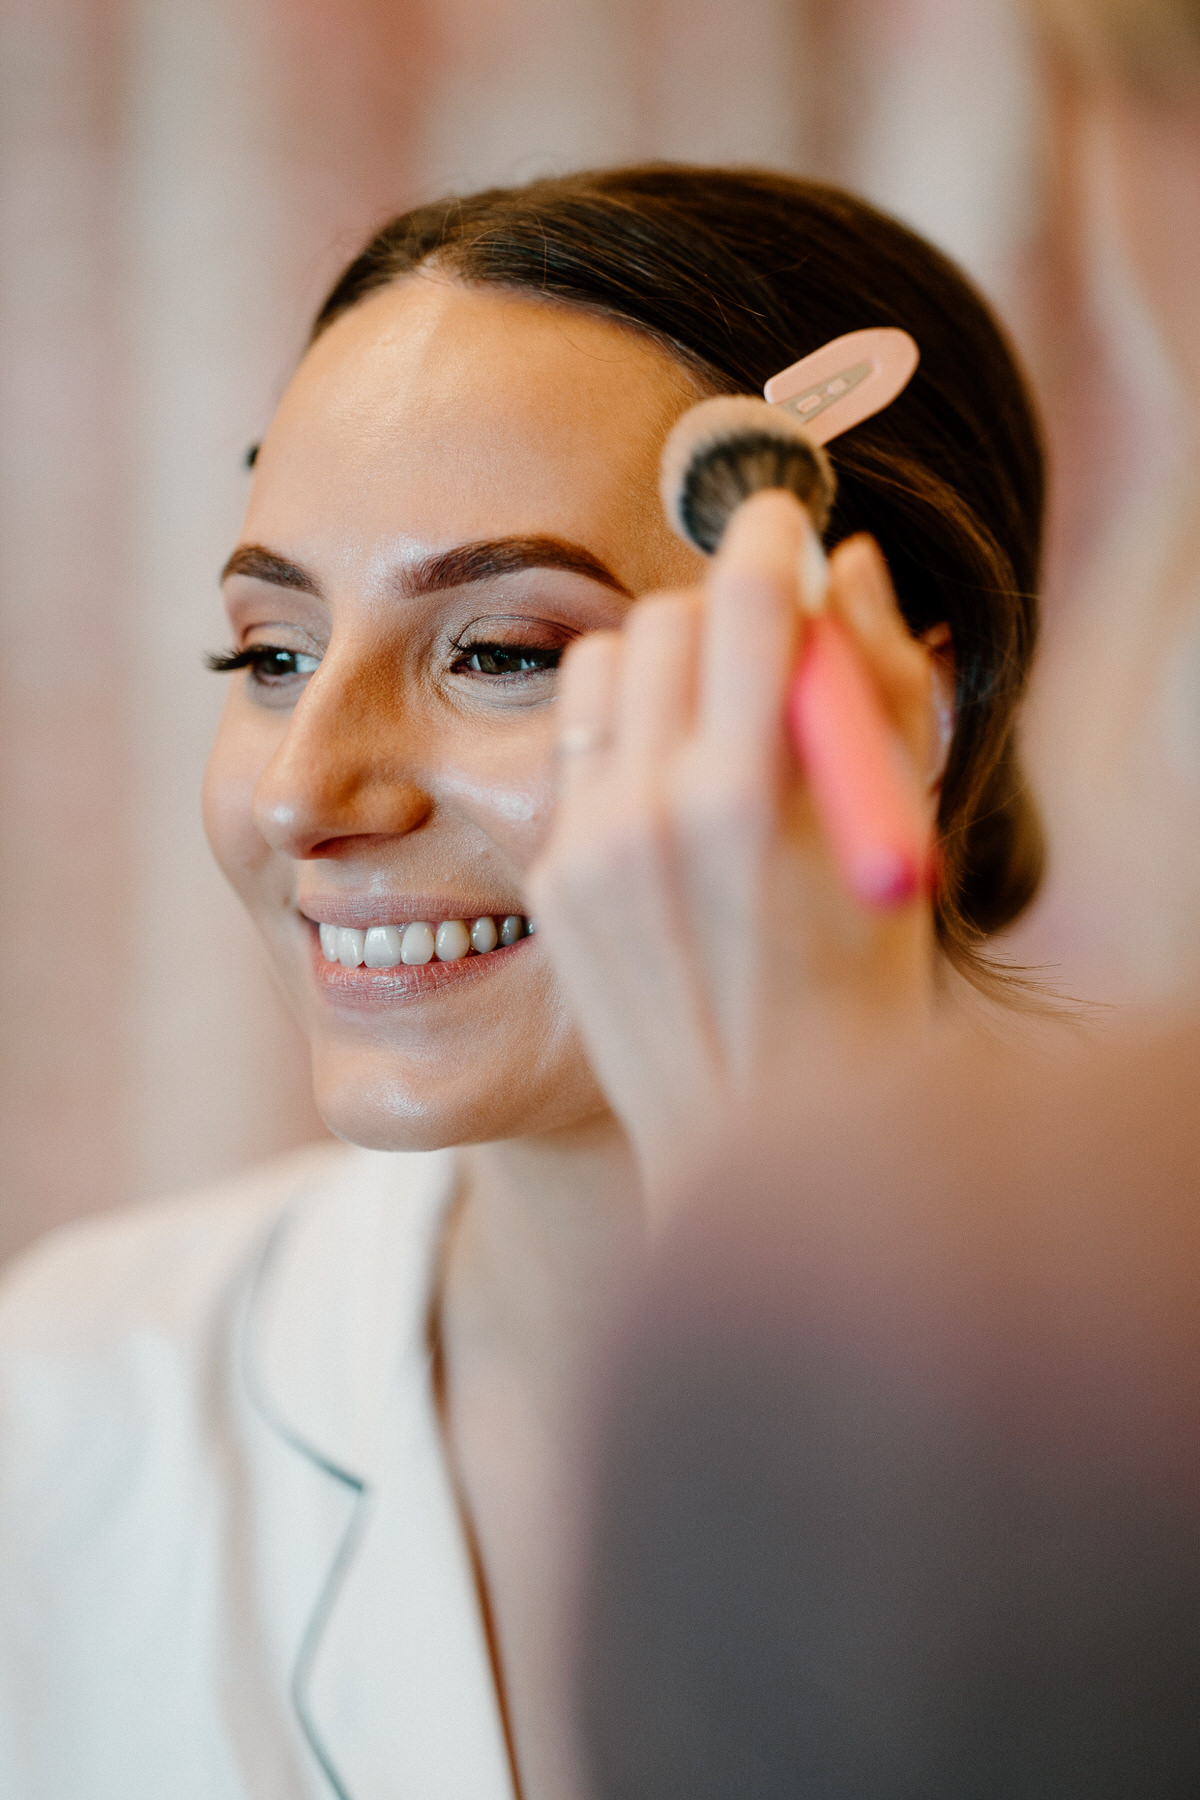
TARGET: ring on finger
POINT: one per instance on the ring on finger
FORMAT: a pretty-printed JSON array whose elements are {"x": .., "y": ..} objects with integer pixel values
[{"x": 581, "y": 740}]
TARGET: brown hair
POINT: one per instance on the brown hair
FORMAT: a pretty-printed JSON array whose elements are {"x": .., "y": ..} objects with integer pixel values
[{"x": 740, "y": 272}]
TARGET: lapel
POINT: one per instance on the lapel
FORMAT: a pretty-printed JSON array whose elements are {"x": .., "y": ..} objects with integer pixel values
[{"x": 392, "y": 1683}]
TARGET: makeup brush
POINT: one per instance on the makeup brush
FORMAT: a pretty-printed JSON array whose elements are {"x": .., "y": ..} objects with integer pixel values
[{"x": 718, "y": 455}]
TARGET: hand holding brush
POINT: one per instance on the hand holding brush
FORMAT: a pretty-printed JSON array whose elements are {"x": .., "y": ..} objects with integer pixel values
[
  {"x": 692, "y": 892},
  {"x": 718, "y": 455},
  {"x": 688, "y": 893}
]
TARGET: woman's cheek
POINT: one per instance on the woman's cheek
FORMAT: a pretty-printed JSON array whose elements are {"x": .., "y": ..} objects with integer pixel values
[
  {"x": 511, "y": 797},
  {"x": 227, "y": 798}
]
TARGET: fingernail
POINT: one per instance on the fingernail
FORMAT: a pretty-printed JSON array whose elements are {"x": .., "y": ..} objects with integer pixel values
[{"x": 814, "y": 570}]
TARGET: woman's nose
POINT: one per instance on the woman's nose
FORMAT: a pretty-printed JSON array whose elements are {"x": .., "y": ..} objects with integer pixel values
[{"x": 344, "y": 768}]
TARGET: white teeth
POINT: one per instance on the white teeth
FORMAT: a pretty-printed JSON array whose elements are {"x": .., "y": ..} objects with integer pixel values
[
  {"x": 383, "y": 947},
  {"x": 386, "y": 946},
  {"x": 350, "y": 947},
  {"x": 484, "y": 935},
  {"x": 453, "y": 940},
  {"x": 418, "y": 943}
]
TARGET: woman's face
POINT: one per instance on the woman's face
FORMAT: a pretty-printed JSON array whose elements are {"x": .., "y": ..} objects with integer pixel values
[{"x": 457, "y": 484}]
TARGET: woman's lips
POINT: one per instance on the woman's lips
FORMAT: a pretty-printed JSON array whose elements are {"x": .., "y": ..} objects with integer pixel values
[{"x": 367, "y": 988}]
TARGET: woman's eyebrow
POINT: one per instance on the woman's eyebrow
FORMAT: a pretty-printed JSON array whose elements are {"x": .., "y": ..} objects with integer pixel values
[
  {"x": 263, "y": 565},
  {"x": 492, "y": 557},
  {"x": 466, "y": 563}
]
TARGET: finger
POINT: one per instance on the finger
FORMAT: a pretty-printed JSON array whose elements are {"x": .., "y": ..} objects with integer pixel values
[
  {"x": 750, "y": 633},
  {"x": 658, "y": 686},
  {"x": 943, "y": 700},
  {"x": 588, "y": 687},
  {"x": 862, "y": 595}
]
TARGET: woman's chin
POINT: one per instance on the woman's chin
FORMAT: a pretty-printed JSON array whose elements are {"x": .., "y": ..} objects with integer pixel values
[{"x": 381, "y": 1104}]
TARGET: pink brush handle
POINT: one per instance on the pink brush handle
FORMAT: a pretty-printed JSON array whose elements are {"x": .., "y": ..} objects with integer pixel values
[{"x": 867, "y": 799}]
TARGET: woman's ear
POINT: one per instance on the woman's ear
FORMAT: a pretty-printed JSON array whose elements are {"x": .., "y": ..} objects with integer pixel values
[{"x": 943, "y": 693}]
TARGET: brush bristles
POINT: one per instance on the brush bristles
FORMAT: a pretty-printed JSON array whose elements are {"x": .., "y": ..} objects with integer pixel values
[{"x": 724, "y": 450}]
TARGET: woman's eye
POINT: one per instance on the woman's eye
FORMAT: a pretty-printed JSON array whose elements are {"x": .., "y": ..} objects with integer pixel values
[
  {"x": 506, "y": 659},
  {"x": 269, "y": 664}
]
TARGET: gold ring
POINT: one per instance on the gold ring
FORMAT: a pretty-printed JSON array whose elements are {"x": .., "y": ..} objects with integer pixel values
[{"x": 580, "y": 740}]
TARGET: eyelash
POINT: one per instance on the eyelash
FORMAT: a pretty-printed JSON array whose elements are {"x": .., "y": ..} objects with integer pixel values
[
  {"x": 534, "y": 659},
  {"x": 264, "y": 660}
]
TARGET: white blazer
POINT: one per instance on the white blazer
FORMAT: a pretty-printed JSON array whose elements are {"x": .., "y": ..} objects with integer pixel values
[{"x": 231, "y": 1562}]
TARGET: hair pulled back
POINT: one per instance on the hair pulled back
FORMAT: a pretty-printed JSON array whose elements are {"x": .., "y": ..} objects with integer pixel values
[{"x": 740, "y": 272}]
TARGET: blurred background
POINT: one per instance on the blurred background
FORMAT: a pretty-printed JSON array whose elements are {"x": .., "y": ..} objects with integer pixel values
[{"x": 179, "y": 182}]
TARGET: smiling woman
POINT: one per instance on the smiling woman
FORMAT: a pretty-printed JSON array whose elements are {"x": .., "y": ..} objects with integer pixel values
[
  {"x": 319, "y": 1528},
  {"x": 458, "y": 484}
]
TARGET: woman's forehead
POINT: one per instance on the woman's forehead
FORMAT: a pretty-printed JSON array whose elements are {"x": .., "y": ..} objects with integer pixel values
[
  {"x": 431, "y": 344},
  {"x": 455, "y": 413}
]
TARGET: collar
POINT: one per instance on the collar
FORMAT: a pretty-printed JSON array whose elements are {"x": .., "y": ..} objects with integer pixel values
[
  {"x": 340, "y": 1304},
  {"x": 390, "y": 1676}
]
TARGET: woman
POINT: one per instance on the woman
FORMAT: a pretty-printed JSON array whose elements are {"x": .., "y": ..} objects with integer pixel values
[{"x": 289, "y": 1498}]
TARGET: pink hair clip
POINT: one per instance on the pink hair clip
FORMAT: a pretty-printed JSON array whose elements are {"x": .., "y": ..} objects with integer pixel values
[
  {"x": 719, "y": 453},
  {"x": 846, "y": 381}
]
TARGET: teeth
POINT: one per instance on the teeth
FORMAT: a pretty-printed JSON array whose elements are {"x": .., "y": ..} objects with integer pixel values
[
  {"x": 350, "y": 947},
  {"x": 386, "y": 946},
  {"x": 418, "y": 943},
  {"x": 383, "y": 947},
  {"x": 484, "y": 935},
  {"x": 453, "y": 940}
]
